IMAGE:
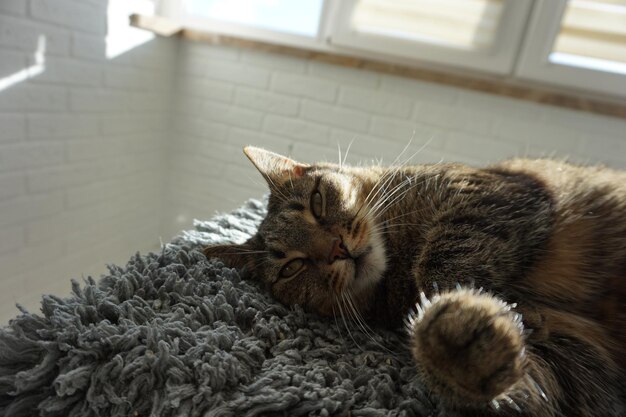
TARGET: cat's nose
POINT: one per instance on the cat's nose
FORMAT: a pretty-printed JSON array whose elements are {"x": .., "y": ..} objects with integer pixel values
[{"x": 337, "y": 251}]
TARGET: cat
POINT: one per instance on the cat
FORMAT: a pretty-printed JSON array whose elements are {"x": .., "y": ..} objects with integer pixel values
[{"x": 511, "y": 279}]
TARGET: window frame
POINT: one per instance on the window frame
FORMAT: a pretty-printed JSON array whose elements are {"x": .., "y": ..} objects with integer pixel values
[
  {"x": 498, "y": 59},
  {"x": 525, "y": 36},
  {"x": 173, "y": 9},
  {"x": 534, "y": 59}
]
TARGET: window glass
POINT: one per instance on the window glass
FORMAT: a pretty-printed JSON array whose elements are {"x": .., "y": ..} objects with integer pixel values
[
  {"x": 592, "y": 35},
  {"x": 467, "y": 24},
  {"x": 300, "y": 17}
]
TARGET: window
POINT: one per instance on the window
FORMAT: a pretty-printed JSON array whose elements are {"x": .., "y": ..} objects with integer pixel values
[
  {"x": 580, "y": 44},
  {"x": 297, "y": 17},
  {"x": 577, "y": 43},
  {"x": 478, "y": 34},
  {"x": 288, "y": 22}
]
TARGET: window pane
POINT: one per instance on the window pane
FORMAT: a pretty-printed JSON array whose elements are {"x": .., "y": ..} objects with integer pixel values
[
  {"x": 593, "y": 35},
  {"x": 299, "y": 17},
  {"x": 467, "y": 24}
]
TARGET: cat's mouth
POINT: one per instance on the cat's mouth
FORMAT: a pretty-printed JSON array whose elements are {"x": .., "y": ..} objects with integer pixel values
[
  {"x": 360, "y": 263},
  {"x": 369, "y": 265}
]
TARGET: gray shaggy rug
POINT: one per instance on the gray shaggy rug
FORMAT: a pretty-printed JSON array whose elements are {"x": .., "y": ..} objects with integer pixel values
[{"x": 172, "y": 334}]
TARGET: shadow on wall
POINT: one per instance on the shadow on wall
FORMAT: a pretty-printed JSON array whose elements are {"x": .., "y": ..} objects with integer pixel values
[{"x": 83, "y": 108}]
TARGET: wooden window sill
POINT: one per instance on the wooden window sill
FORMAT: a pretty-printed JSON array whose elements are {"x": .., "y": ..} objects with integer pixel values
[{"x": 570, "y": 100}]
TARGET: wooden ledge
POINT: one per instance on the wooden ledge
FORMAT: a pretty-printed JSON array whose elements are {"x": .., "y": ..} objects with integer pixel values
[{"x": 166, "y": 27}]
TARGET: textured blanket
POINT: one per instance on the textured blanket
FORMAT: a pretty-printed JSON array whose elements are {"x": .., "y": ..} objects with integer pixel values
[{"x": 172, "y": 334}]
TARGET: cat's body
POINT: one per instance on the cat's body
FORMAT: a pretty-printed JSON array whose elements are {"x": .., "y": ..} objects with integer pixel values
[{"x": 545, "y": 235}]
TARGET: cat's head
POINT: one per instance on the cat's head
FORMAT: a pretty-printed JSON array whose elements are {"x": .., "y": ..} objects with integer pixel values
[{"x": 318, "y": 242}]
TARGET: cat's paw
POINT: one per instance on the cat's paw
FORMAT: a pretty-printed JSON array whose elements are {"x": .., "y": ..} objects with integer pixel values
[{"x": 469, "y": 346}]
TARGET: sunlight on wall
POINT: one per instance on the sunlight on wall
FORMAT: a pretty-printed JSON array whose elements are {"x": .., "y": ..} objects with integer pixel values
[
  {"x": 34, "y": 70},
  {"x": 121, "y": 37}
]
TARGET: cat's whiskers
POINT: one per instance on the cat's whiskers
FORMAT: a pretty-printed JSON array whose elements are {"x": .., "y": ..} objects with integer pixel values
[
  {"x": 345, "y": 156},
  {"x": 345, "y": 323},
  {"x": 362, "y": 323},
  {"x": 388, "y": 176}
]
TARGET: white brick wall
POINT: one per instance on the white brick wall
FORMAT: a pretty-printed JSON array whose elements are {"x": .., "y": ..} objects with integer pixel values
[
  {"x": 81, "y": 148},
  {"x": 309, "y": 107},
  {"x": 98, "y": 159}
]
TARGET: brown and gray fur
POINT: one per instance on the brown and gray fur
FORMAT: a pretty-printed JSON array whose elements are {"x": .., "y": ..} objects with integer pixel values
[{"x": 518, "y": 271}]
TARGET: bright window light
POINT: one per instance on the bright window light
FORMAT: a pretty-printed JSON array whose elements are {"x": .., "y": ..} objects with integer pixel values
[
  {"x": 466, "y": 24},
  {"x": 299, "y": 17},
  {"x": 34, "y": 70},
  {"x": 593, "y": 36},
  {"x": 121, "y": 37}
]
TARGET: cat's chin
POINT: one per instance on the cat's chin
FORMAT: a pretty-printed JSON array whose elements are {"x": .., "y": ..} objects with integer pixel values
[{"x": 369, "y": 266}]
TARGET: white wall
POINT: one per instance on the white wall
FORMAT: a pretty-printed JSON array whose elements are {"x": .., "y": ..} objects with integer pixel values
[
  {"x": 81, "y": 147},
  {"x": 231, "y": 97}
]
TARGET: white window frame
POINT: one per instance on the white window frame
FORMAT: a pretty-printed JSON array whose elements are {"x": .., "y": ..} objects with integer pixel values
[
  {"x": 334, "y": 36},
  {"x": 524, "y": 41},
  {"x": 172, "y": 9},
  {"x": 498, "y": 59},
  {"x": 535, "y": 65}
]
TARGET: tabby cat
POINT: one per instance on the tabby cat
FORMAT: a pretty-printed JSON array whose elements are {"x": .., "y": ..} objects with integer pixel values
[{"x": 518, "y": 271}]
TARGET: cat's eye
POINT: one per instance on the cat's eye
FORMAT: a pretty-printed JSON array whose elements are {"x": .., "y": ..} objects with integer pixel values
[
  {"x": 291, "y": 268},
  {"x": 317, "y": 204}
]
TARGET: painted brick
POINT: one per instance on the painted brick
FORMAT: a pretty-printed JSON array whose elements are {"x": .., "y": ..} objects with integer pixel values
[
  {"x": 296, "y": 129},
  {"x": 376, "y": 102},
  {"x": 70, "y": 71},
  {"x": 24, "y": 34},
  {"x": 239, "y": 73},
  {"x": 22, "y": 209},
  {"x": 273, "y": 61},
  {"x": 92, "y": 149},
  {"x": 11, "y": 186},
  {"x": 419, "y": 90},
  {"x": 61, "y": 126},
  {"x": 243, "y": 137},
  {"x": 232, "y": 115},
  {"x": 204, "y": 88},
  {"x": 531, "y": 136},
  {"x": 148, "y": 101},
  {"x": 17, "y": 7},
  {"x": 74, "y": 15},
  {"x": 609, "y": 149},
  {"x": 130, "y": 79},
  {"x": 314, "y": 152},
  {"x": 479, "y": 147},
  {"x": 11, "y": 239},
  {"x": 131, "y": 123},
  {"x": 344, "y": 75},
  {"x": 335, "y": 116},
  {"x": 266, "y": 101},
  {"x": 401, "y": 130},
  {"x": 12, "y": 62},
  {"x": 203, "y": 128},
  {"x": 13, "y": 127},
  {"x": 301, "y": 85},
  {"x": 28, "y": 97},
  {"x": 210, "y": 52},
  {"x": 88, "y": 46},
  {"x": 454, "y": 117},
  {"x": 54, "y": 178},
  {"x": 30, "y": 155},
  {"x": 99, "y": 100},
  {"x": 500, "y": 106}
]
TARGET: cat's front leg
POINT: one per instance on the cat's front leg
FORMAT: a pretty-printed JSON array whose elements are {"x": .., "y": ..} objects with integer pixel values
[{"x": 471, "y": 351}]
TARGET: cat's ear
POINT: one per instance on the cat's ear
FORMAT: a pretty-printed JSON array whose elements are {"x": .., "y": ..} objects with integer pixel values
[
  {"x": 275, "y": 168},
  {"x": 240, "y": 256}
]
